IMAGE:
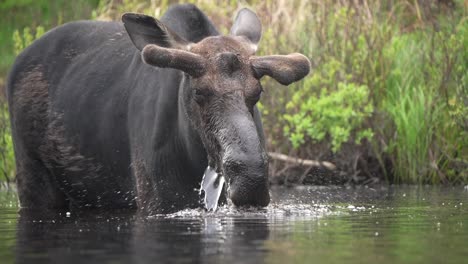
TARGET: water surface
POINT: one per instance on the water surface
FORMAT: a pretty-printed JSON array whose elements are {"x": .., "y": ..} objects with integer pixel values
[{"x": 384, "y": 224}]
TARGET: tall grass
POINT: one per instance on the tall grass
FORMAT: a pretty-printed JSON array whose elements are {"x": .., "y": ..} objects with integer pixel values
[
  {"x": 7, "y": 158},
  {"x": 390, "y": 75},
  {"x": 413, "y": 133},
  {"x": 424, "y": 140},
  {"x": 410, "y": 108}
]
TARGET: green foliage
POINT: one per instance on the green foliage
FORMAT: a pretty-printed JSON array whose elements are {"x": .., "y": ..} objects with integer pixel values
[
  {"x": 17, "y": 15},
  {"x": 391, "y": 72},
  {"x": 427, "y": 75},
  {"x": 113, "y": 10},
  {"x": 21, "y": 41},
  {"x": 334, "y": 114},
  {"x": 8, "y": 4},
  {"x": 333, "y": 103},
  {"x": 414, "y": 131},
  {"x": 7, "y": 158}
]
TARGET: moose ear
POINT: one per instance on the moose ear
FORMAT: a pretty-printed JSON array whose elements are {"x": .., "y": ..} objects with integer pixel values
[
  {"x": 248, "y": 25},
  {"x": 144, "y": 30}
]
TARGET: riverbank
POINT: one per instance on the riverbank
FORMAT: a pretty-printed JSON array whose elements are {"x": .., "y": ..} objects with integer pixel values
[{"x": 386, "y": 99}]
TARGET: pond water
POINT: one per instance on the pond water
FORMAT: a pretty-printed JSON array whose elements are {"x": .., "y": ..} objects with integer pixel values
[{"x": 385, "y": 224}]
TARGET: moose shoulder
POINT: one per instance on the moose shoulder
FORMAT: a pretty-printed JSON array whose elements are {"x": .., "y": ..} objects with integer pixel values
[{"x": 125, "y": 115}]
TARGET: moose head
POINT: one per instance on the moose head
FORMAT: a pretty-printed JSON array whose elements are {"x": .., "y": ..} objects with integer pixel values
[{"x": 220, "y": 89}]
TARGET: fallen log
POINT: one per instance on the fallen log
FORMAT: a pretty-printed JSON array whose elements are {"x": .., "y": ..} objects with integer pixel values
[{"x": 302, "y": 162}]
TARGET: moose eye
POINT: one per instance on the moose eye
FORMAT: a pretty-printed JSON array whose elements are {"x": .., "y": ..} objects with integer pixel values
[
  {"x": 200, "y": 94},
  {"x": 255, "y": 96}
]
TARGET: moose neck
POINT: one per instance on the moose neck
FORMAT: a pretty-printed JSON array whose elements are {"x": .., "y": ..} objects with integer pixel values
[{"x": 188, "y": 134}]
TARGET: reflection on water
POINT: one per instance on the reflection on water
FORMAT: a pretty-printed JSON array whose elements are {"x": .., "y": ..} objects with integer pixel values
[{"x": 302, "y": 225}]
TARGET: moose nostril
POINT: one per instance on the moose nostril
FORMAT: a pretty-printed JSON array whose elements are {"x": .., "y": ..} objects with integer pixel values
[{"x": 248, "y": 178}]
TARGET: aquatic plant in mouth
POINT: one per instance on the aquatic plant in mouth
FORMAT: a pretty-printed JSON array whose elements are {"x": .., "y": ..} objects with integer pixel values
[{"x": 211, "y": 187}]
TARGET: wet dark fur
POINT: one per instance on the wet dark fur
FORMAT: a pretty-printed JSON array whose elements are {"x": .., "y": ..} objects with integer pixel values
[{"x": 94, "y": 126}]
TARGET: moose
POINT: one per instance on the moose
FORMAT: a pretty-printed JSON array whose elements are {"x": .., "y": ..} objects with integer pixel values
[{"x": 133, "y": 114}]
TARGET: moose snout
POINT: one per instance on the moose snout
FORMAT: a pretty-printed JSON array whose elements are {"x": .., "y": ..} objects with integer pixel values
[{"x": 248, "y": 178}]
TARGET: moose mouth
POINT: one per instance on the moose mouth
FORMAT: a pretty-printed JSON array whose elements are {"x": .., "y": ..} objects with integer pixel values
[
  {"x": 240, "y": 169},
  {"x": 241, "y": 190}
]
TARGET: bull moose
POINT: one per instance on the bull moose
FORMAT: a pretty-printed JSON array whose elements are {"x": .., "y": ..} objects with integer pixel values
[{"x": 131, "y": 115}]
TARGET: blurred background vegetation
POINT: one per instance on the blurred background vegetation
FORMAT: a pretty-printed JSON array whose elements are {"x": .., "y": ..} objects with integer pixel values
[{"x": 387, "y": 97}]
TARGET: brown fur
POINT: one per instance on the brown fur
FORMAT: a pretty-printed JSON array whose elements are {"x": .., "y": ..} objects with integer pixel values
[
  {"x": 188, "y": 62},
  {"x": 31, "y": 105},
  {"x": 204, "y": 58},
  {"x": 29, "y": 111},
  {"x": 228, "y": 68},
  {"x": 31, "y": 92},
  {"x": 285, "y": 69}
]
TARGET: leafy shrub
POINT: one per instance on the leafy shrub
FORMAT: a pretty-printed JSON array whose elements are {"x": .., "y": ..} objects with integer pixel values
[{"x": 336, "y": 114}]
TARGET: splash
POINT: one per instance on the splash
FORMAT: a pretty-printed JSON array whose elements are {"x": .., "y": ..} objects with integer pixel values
[{"x": 274, "y": 211}]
